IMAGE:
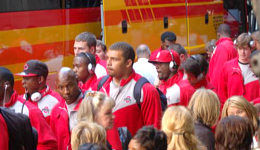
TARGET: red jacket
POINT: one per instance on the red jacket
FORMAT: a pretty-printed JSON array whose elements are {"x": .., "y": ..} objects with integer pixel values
[
  {"x": 59, "y": 121},
  {"x": 46, "y": 138},
  {"x": 89, "y": 84},
  {"x": 183, "y": 91},
  {"x": 224, "y": 52},
  {"x": 4, "y": 139},
  {"x": 126, "y": 111},
  {"x": 232, "y": 83},
  {"x": 166, "y": 85},
  {"x": 47, "y": 102}
]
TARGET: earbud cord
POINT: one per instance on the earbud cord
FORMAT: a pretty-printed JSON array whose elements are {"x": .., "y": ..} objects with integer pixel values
[{"x": 26, "y": 98}]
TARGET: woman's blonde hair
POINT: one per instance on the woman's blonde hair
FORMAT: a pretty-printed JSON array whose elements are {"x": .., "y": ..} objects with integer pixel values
[
  {"x": 92, "y": 104},
  {"x": 242, "y": 104},
  {"x": 178, "y": 125},
  {"x": 87, "y": 132},
  {"x": 205, "y": 107}
]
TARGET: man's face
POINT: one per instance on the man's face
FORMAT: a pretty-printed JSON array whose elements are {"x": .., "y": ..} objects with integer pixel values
[
  {"x": 68, "y": 89},
  {"x": 80, "y": 68},
  {"x": 166, "y": 44},
  {"x": 81, "y": 47},
  {"x": 163, "y": 70},
  {"x": 101, "y": 54},
  {"x": 31, "y": 84},
  {"x": 116, "y": 64},
  {"x": 244, "y": 54}
]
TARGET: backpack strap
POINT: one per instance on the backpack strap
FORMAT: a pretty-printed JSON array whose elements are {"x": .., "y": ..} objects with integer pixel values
[
  {"x": 102, "y": 81},
  {"x": 138, "y": 90}
]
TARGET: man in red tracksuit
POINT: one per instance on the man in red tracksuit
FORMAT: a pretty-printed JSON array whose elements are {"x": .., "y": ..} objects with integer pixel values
[
  {"x": 120, "y": 86},
  {"x": 4, "y": 134},
  {"x": 195, "y": 67},
  {"x": 86, "y": 42},
  {"x": 223, "y": 52},
  {"x": 167, "y": 63},
  {"x": 11, "y": 100},
  {"x": 36, "y": 90},
  {"x": 64, "y": 115},
  {"x": 84, "y": 66},
  {"x": 237, "y": 77}
]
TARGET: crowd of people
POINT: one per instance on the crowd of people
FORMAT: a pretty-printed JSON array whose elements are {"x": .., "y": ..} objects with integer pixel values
[{"x": 212, "y": 101}]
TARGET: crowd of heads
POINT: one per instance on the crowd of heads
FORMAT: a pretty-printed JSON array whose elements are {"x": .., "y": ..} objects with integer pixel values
[{"x": 236, "y": 123}]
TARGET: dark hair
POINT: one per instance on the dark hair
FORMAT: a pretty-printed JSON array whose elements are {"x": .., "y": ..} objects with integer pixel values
[
  {"x": 128, "y": 50},
  {"x": 178, "y": 48},
  {"x": 102, "y": 44},
  {"x": 88, "y": 57},
  {"x": 91, "y": 146},
  {"x": 196, "y": 64},
  {"x": 151, "y": 138},
  {"x": 234, "y": 133},
  {"x": 87, "y": 37},
  {"x": 170, "y": 36},
  {"x": 224, "y": 29},
  {"x": 6, "y": 75}
]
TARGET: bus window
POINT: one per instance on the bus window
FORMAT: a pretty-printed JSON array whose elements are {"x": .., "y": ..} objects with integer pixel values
[
  {"x": 82, "y": 3},
  {"x": 24, "y": 5}
]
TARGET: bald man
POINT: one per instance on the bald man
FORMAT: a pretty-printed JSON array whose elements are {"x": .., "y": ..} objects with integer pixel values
[{"x": 64, "y": 114}]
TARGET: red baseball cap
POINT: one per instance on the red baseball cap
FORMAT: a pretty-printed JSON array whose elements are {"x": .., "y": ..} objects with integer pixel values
[{"x": 165, "y": 56}]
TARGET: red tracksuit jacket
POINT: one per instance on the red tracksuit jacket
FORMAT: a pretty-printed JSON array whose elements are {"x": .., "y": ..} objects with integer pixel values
[
  {"x": 59, "y": 121},
  {"x": 166, "y": 85},
  {"x": 4, "y": 139},
  {"x": 224, "y": 52},
  {"x": 47, "y": 102},
  {"x": 183, "y": 91},
  {"x": 89, "y": 85},
  {"x": 232, "y": 83},
  {"x": 126, "y": 111},
  {"x": 46, "y": 138}
]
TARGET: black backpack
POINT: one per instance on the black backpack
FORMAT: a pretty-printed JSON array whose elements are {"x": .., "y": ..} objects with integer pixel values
[
  {"x": 137, "y": 91},
  {"x": 21, "y": 134}
]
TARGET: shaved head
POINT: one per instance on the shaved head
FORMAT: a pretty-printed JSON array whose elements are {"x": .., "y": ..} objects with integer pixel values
[
  {"x": 67, "y": 85},
  {"x": 66, "y": 73},
  {"x": 224, "y": 30}
]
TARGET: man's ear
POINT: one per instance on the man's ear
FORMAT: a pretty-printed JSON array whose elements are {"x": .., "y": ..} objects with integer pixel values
[
  {"x": 93, "y": 50},
  {"x": 41, "y": 79},
  {"x": 129, "y": 63}
]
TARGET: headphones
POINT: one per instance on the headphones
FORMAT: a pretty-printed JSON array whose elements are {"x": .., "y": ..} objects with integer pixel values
[
  {"x": 91, "y": 66},
  {"x": 172, "y": 64},
  {"x": 36, "y": 96},
  {"x": 197, "y": 59}
]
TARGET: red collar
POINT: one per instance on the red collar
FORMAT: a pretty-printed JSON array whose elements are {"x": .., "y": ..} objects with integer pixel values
[
  {"x": 12, "y": 100},
  {"x": 201, "y": 83},
  {"x": 123, "y": 82},
  {"x": 87, "y": 85},
  {"x": 174, "y": 79},
  {"x": 223, "y": 39}
]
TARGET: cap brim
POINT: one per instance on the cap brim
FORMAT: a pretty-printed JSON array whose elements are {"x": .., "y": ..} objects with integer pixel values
[{"x": 23, "y": 74}]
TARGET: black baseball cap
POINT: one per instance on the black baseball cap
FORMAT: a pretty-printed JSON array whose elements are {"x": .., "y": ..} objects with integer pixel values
[{"x": 34, "y": 68}]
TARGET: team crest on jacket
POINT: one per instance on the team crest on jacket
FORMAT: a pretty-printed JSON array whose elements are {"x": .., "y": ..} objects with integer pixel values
[
  {"x": 46, "y": 109},
  {"x": 127, "y": 99}
]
